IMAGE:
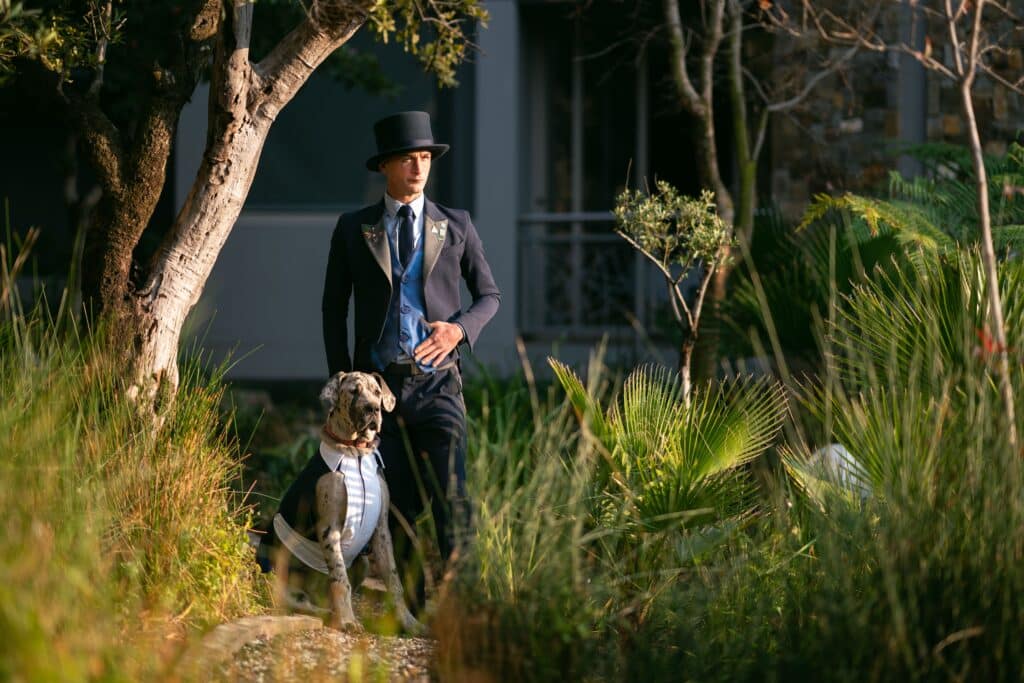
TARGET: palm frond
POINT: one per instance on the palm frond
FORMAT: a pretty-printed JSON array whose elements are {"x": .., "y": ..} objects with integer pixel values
[{"x": 586, "y": 407}]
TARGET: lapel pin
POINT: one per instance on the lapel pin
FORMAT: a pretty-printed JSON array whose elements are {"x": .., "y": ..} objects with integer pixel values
[
  {"x": 439, "y": 230},
  {"x": 372, "y": 232}
]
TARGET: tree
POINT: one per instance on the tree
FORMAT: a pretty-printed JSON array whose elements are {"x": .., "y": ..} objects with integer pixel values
[
  {"x": 677, "y": 233},
  {"x": 697, "y": 52},
  {"x": 975, "y": 45},
  {"x": 159, "y": 52}
]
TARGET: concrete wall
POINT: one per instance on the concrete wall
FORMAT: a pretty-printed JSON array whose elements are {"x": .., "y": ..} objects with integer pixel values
[
  {"x": 261, "y": 305},
  {"x": 497, "y": 172}
]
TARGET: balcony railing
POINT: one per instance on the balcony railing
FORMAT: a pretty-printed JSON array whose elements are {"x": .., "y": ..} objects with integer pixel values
[{"x": 578, "y": 280}]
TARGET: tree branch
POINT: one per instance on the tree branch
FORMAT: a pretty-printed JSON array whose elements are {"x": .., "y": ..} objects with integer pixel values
[
  {"x": 102, "y": 39},
  {"x": 680, "y": 73},
  {"x": 954, "y": 40},
  {"x": 698, "y": 302},
  {"x": 972, "y": 55},
  {"x": 712, "y": 40},
  {"x": 298, "y": 54},
  {"x": 669, "y": 280}
]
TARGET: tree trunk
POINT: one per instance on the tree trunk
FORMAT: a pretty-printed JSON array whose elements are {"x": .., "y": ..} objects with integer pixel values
[
  {"x": 685, "y": 359},
  {"x": 184, "y": 262},
  {"x": 244, "y": 101},
  {"x": 989, "y": 260}
]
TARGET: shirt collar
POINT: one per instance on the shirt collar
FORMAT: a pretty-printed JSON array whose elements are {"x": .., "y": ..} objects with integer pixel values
[{"x": 391, "y": 205}]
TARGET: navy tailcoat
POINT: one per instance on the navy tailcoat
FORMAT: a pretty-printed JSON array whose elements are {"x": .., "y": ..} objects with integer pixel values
[{"x": 359, "y": 270}]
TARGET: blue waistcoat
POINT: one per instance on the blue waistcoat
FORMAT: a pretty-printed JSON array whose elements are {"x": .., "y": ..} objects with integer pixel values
[{"x": 406, "y": 323}]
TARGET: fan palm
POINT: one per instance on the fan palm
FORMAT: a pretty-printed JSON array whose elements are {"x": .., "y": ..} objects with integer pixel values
[
  {"x": 913, "y": 373},
  {"x": 678, "y": 463}
]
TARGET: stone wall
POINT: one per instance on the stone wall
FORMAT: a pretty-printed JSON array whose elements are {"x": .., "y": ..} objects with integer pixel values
[{"x": 848, "y": 135}]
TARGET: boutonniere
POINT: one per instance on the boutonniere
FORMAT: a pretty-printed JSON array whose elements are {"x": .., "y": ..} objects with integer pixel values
[
  {"x": 439, "y": 230},
  {"x": 372, "y": 232}
]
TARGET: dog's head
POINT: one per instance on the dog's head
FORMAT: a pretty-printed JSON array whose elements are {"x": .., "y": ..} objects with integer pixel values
[{"x": 354, "y": 401}]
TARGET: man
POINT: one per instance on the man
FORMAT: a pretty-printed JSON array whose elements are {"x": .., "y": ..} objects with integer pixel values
[{"x": 402, "y": 260}]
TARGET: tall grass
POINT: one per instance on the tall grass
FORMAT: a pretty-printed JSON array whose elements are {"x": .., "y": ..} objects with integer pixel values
[
  {"x": 922, "y": 579},
  {"x": 587, "y": 514},
  {"x": 119, "y": 538}
]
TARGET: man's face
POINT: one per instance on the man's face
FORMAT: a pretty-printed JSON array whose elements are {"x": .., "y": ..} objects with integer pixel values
[{"x": 406, "y": 173}]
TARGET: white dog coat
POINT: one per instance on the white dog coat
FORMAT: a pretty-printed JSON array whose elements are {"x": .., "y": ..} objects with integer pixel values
[{"x": 362, "y": 484}]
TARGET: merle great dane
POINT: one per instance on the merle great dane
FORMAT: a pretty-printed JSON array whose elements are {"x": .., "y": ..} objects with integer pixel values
[{"x": 337, "y": 508}]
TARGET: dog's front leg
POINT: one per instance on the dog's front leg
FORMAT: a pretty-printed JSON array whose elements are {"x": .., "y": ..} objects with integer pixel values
[
  {"x": 331, "y": 504},
  {"x": 383, "y": 555}
]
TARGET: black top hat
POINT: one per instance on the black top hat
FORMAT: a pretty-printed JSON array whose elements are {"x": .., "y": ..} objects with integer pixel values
[{"x": 403, "y": 132}]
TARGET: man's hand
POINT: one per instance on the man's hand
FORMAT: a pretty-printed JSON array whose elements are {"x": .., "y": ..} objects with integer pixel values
[{"x": 444, "y": 338}]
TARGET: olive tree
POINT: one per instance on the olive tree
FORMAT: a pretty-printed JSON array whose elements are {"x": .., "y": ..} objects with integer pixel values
[{"x": 680, "y": 235}]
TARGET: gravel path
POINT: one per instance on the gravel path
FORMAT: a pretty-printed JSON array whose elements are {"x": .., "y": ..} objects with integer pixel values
[{"x": 328, "y": 655}]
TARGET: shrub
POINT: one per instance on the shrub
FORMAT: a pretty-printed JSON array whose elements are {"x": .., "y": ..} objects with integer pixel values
[{"x": 120, "y": 538}]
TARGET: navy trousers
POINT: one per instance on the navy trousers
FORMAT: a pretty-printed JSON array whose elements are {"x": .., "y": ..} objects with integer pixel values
[{"x": 423, "y": 446}]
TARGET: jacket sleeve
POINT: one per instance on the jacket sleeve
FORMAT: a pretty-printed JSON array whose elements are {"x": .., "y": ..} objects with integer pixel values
[
  {"x": 337, "y": 293},
  {"x": 477, "y": 274}
]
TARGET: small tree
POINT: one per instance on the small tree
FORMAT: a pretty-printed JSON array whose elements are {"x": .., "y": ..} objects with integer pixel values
[
  {"x": 709, "y": 58},
  {"x": 677, "y": 234}
]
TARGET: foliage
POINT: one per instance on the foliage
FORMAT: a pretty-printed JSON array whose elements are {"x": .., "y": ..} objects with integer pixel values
[
  {"x": 27, "y": 33},
  {"x": 579, "y": 530},
  {"x": 677, "y": 232},
  {"x": 64, "y": 36},
  {"x": 789, "y": 280},
  {"x": 919, "y": 579},
  {"x": 679, "y": 463},
  {"x": 121, "y": 539},
  {"x": 803, "y": 272},
  {"x": 911, "y": 342},
  {"x": 407, "y": 19},
  {"x": 938, "y": 211}
]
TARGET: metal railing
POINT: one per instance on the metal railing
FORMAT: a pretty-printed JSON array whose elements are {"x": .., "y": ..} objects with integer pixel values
[{"x": 578, "y": 280}]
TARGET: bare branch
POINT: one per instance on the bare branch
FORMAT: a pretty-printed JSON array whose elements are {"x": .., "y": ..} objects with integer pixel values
[
  {"x": 680, "y": 73},
  {"x": 1016, "y": 86},
  {"x": 954, "y": 39},
  {"x": 972, "y": 55},
  {"x": 698, "y": 303},
  {"x": 101, "y": 30},
  {"x": 762, "y": 129},
  {"x": 814, "y": 80},
  {"x": 713, "y": 39},
  {"x": 672, "y": 282}
]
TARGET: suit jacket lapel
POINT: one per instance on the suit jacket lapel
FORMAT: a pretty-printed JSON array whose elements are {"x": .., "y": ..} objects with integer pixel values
[
  {"x": 376, "y": 239},
  {"x": 435, "y": 231}
]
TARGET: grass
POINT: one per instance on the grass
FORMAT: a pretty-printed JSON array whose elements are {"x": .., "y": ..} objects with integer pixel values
[
  {"x": 121, "y": 540},
  {"x": 922, "y": 580}
]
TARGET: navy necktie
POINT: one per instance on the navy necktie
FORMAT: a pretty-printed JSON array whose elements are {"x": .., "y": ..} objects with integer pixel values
[{"x": 405, "y": 235}]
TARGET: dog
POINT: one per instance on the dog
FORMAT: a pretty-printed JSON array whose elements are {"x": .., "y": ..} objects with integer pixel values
[{"x": 338, "y": 505}]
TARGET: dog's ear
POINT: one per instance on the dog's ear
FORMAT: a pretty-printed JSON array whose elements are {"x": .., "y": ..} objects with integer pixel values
[
  {"x": 387, "y": 399},
  {"x": 329, "y": 394}
]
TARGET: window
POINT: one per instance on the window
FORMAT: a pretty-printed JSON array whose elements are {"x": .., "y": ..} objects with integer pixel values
[{"x": 585, "y": 131}]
